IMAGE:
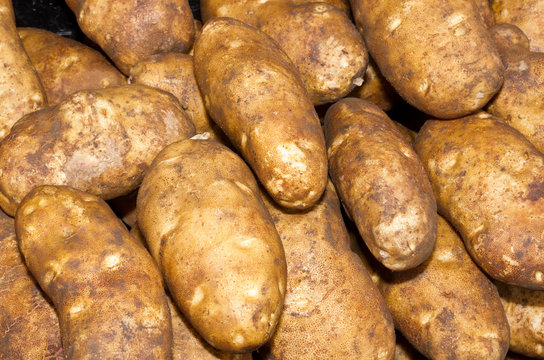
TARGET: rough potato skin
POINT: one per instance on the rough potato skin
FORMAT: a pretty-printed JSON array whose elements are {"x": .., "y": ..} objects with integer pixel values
[
  {"x": 487, "y": 180},
  {"x": 99, "y": 141},
  {"x": 435, "y": 53},
  {"x": 381, "y": 182},
  {"x": 200, "y": 212},
  {"x": 131, "y": 30},
  {"x": 20, "y": 89},
  {"x": 29, "y": 326},
  {"x": 66, "y": 66},
  {"x": 94, "y": 271},
  {"x": 253, "y": 92},
  {"x": 525, "y": 313}
]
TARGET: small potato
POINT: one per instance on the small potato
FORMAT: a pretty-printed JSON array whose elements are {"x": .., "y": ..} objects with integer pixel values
[
  {"x": 99, "y": 141},
  {"x": 66, "y": 66},
  {"x": 381, "y": 182},
  {"x": 106, "y": 288},
  {"x": 253, "y": 92},
  {"x": 488, "y": 182},
  {"x": 200, "y": 211}
]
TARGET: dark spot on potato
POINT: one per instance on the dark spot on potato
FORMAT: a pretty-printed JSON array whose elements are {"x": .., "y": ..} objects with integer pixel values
[{"x": 536, "y": 190}]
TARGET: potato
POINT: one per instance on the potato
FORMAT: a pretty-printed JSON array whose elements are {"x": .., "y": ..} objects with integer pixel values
[
  {"x": 66, "y": 66},
  {"x": 332, "y": 308},
  {"x": 525, "y": 312},
  {"x": 94, "y": 272},
  {"x": 435, "y": 53},
  {"x": 20, "y": 89},
  {"x": 29, "y": 326},
  {"x": 130, "y": 31},
  {"x": 200, "y": 212},
  {"x": 99, "y": 141},
  {"x": 487, "y": 180},
  {"x": 381, "y": 182},
  {"x": 253, "y": 92}
]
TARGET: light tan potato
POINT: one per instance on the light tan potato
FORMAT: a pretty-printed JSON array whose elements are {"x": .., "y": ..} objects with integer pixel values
[
  {"x": 437, "y": 54},
  {"x": 20, "y": 89},
  {"x": 99, "y": 141},
  {"x": 253, "y": 92},
  {"x": 200, "y": 212},
  {"x": 94, "y": 272},
  {"x": 487, "y": 180},
  {"x": 29, "y": 326},
  {"x": 332, "y": 308},
  {"x": 130, "y": 31},
  {"x": 381, "y": 182},
  {"x": 66, "y": 66}
]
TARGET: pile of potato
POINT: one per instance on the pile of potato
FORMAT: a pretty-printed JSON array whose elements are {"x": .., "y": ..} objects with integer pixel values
[{"x": 258, "y": 228}]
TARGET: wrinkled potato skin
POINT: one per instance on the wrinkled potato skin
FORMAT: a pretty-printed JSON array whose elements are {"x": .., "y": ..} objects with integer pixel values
[
  {"x": 253, "y": 92},
  {"x": 29, "y": 326},
  {"x": 21, "y": 91},
  {"x": 525, "y": 312},
  {"x": 200, "y": 212},
  {"x": 447, "y": 308},
  {"x": 130, "y": 31},
  {"x": 66, "y": 66},
  {"x": 381, "y": 182},
  {"x": 98, "y": 141},
  {"x": 487, "y": 180},
  {"x": 94, "y": 271},
  {"x": 452, "y": 68},
  {"x": 326, "y": 285}
]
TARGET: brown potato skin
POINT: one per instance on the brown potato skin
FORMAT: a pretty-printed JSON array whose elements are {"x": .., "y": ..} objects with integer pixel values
[
  {"x": 487, "y": 180},
  {"x": 200, "y": 212},
  {"x": 20, "y": 89},
  {"x": 332, "y": 308},
  {"x": 485, "y": 12},
  {"x": 99, "y": 141},
  {"x": 66, "y": 66},
  {"x": 450, "y": 69},
  {"x": 381, "y": 182},
  {"x": 29, "y": 326},
  {"x": 94, "y": 271},
  {"x": 253, "y": 92}
]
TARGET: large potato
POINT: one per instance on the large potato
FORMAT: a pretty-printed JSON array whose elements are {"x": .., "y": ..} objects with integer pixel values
[
  {"x": 381, "y": 182},
  {"x": 253, "y": 92},
  {"x": 488, "y": 182},
  {"x": 106, "y": 288},
  {"x": 200, "y": 211},
  {"x": 436, "y": 53},
  {"x": 332, "y": 308},
  {"x": 98, "y": 141}
]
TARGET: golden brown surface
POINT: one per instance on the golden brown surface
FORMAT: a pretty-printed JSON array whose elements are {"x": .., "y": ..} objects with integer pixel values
[
  {"x": 200, "y": 211},
  {"x": 253, "y": 92},
  {"x": 20, "y": 89},
  {"x": 340, "y": 4},
  {"x": 435, "y": 53},
  {"x": 485, "y": 12},
  {"x": 332, "y": 308},
  {"x": 381, "y": 182},
  {"x": 98, "y": 141},
  {"x": 29, "y": 326},
  {"x": 488, "y": 182},
  {"x": 94, "y": 272},
  {"x": 66, "y": 66}
]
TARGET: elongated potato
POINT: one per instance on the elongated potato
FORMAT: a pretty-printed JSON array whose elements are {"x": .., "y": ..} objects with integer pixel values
[
  {"x": 66, "y": 66},
  {"x": 200, "y": 212},
  {"x": 20, "y": 89},
  {"x": 253, "y": 92},
  {"x": 332, "y": 308},
  {"x": 29, "y": 326},
  {"x": 488, "y": 182},
  {"x": 98, "y": 141},
  {"x": 436, "y": 53},
  {"x": 381, "y": 182},
  {"x": 105, "y": 286}
]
